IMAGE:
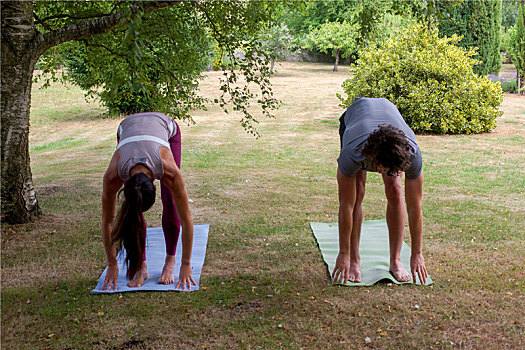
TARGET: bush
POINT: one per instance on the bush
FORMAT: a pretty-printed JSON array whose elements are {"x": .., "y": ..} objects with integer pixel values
[
  {"x": 510, "y": 86},
  {"x": 430, "y": 80}
]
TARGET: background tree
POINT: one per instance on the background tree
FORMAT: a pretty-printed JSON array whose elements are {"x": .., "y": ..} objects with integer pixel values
[
  {"x": 516, "y": 46},
  {"x": 430, "y": 80},
  {"x": 314, "y": 13},
  {"x": 390, "y": 25},
  {"x": 368, "y": 16},
  {"x": 337, "y": 39},
  {"x": 277, "y": 42},
  {"x": 479, "y": 25},
  {"x": 509, "y": 13},
  {"x": 30, "y": 29}
]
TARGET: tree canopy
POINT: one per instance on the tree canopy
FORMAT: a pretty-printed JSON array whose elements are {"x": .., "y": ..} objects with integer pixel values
[
  {"x": 337, "y": 39},
  {"x": 156, "y": 60}
]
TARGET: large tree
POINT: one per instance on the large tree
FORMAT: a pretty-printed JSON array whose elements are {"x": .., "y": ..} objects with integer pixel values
[
  {"x": 479, "y": 25},
  {"x": 516, "y": 46},
  {"x": 337, "y": 39},
  {"x": 32, "y": 28}
]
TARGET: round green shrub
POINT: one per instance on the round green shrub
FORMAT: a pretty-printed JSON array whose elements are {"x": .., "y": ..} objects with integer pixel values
[{"x": 430, "y": 80}]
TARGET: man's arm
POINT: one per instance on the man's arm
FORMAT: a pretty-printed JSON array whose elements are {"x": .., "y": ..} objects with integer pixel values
[
  {"x": 347, "y": 198},
  {"x": 413, "y": 197}
]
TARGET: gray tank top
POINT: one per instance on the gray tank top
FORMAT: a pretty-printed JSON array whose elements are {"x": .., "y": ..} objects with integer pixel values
[
  {"x": 361, "y": 119},
  {"x": 141, "y": 137}
]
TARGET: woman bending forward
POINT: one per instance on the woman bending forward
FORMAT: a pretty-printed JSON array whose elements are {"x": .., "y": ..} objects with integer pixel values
[{"x": 148, "y": 148}]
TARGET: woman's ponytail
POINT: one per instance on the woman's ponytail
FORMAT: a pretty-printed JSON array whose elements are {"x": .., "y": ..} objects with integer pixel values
[{"x": 130, "y": 229}]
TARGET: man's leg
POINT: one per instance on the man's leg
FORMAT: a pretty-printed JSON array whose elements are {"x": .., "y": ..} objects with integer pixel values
[
  {"x": 355, "y": 259},
  {"x": 395, "y": 219},
  {"x": 170, "y": 218}
]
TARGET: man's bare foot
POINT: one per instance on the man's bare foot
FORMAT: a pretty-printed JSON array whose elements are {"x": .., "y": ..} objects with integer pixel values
[
  {"x": 167, "y": 272},
  {"x": 355, "y": 272},
  {"x": 140, "y": 276},
  {"x": 399, "y": 272}
]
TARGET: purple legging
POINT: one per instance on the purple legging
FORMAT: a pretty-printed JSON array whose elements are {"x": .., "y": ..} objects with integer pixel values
[{"x": 170, "y": 217}]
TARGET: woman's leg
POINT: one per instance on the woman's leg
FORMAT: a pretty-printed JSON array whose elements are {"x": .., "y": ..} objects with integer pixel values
[{"x": 170, "y": 218}]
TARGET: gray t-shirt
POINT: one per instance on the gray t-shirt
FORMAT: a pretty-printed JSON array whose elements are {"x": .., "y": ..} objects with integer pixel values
[
  {"x": 141, "y": 137},
  {"x": 362, "y": 118}
]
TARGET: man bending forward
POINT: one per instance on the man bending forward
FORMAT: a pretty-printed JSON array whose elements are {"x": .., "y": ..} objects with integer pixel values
[{"x": 374, "y": 137}]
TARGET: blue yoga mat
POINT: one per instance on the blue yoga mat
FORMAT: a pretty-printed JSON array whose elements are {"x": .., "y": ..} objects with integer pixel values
[
  {"x": 373, "y": 249},
  {"x": 155, "y": 255}
]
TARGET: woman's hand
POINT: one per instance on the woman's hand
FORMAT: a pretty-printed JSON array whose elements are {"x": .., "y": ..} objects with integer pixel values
[
  {"x": 111, "y": 278},
  {"x": 185, "y": 277}
]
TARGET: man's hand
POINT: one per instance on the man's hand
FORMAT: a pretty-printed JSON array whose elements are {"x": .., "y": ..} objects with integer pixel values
[
  {"x": 185, "y": 277},
  {"x": 341, "y": 269},
  {"x": 417, "y": 267},
  {"x": 111, "y": 278}
]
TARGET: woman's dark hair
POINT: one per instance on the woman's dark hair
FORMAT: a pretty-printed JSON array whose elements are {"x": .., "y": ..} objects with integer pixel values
[
  {"x": 129, "y": 230},
  {"x": 388, "y": 146}
]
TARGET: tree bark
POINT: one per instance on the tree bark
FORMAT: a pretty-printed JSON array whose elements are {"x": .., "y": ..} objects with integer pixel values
[
  {"x": 336, "y": 65},
  {"x": 19, "y": 203},
  {"x": 272, "y": 66}
]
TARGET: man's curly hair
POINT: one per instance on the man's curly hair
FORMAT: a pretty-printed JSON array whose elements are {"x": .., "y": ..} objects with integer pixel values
[{"x": 388, "y": 146}]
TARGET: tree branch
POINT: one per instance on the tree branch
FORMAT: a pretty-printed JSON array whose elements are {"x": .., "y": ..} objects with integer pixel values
[
  {"x": 97, "y": 26},
  {"x": 42, "y": 22},
  {"x": 59, "y": 16},
  {"x": 87, "y": 43}
]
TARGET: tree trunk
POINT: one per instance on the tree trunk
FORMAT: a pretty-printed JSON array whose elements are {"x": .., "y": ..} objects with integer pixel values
[
  {"x": 19, "y": 203},
  {"x": 336, "y": 66},
  {"x": 521, "y": 83},
  {"x": 273, "y": 65}
]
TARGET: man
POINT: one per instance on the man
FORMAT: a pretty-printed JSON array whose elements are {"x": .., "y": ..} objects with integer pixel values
[{"x": 374, "y": 137}]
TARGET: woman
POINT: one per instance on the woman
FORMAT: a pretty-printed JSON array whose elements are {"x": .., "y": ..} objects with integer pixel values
[{"x": 148, "y": 148}]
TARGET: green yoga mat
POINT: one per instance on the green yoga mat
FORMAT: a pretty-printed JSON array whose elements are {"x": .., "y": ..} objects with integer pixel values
[{"x": 373, "y": 248}]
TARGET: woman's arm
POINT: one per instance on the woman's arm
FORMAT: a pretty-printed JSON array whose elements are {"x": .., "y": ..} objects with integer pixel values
[{"x": 111, "y": 185}]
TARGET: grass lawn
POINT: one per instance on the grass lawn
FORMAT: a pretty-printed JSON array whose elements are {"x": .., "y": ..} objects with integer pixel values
[{"x": 264, "y": 284}]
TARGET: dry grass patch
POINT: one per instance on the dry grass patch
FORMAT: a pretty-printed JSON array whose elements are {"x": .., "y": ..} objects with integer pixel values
[{"x": 264, "y": 282}]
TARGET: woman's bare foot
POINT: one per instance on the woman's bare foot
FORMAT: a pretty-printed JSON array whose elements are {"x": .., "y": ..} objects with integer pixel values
[
  {"x": 167, "y": 272},
  {"x": 355, "y": 272},
  {"x": 140, "y": 276},
  {"x": 399, "y": 272}
]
